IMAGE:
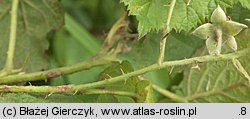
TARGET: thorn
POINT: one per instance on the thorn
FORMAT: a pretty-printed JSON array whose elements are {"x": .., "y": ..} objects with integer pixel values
[
  {"x": 48, "y": 95},
  {"x": 217, "y": 53},
  {"x": 46, "y": 80},
  {"x": 125, "y": 81},
  {"x": 122, "y": 71},
  {"x": 75, "y": 92},
  {"x": 187, "y": 2},
  {"x": 141, "y": 78},
  {"x": 21, "y": 73},
  {"x": 1, "y": 94},
  {"x": 196, "y": 67},
  {"x": 30, "y": 84},
  {"x": 109, "y": 76},
  {"x": 171, "y": 70}
]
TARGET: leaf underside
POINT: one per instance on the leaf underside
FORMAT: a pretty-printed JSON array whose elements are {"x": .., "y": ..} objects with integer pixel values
[
  {"x": 36, "y": 18},
  {"x": 217, "y": 82}
]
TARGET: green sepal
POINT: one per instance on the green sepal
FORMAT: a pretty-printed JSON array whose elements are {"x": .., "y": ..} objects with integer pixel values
[
  {"x": 233, "y": 28},
  {"x": 218, "y": 15},
  {"x": 211, "y": 45},
  {"x": 203, "y": 31},
  {"x": 231, "y": 42}
]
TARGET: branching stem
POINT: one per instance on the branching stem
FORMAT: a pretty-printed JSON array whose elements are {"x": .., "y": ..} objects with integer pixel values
[
  {"x": 103, "y": 60},
  {"x": 44, "y": 75}
]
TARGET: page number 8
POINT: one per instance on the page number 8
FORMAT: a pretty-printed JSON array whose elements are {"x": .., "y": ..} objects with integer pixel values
[{"x": 243, "y": 111}]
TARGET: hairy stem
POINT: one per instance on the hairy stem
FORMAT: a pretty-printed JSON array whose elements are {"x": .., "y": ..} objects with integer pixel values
[
  {"x": 207, "y": 58},
  {"x": 66, "y": 89},
  {"x": 85, "y": 87},
  {"x": 166, "y": 33},
  {"x": 169, "y": 94},
  {"x": 13, "y": 28},
  {"x": 44, "y": 75},
  {"x": 104, "y": 60}
]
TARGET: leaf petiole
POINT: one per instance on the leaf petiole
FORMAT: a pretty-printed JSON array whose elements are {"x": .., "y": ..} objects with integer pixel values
[
  {"x": 9, "y": 65},
  {"x": 166, "y": 33}
]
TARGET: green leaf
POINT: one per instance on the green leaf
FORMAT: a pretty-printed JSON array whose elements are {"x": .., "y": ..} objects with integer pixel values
[
  {"x": 107, "y": 99},
  {"x": 152, "y": 14},
  {"x": 161, "y": 78},
  {"x": 149, "y": 14},
  {"x": 239, "y": 13},
  {"x": 141, "y": 90},
  {"x": 35, "y": 19},
  {"x": 179, "y": 46},
  {"x": 72, "y": 45},
  {"x": 151, "y": 94},
  {"x": 245, "y": 3},
  {"x": 37, "y": 98},
  {"x": 220, "y": 81},
  {"x": 217, "y": 82},
  {"x": 146, "y": 51},
  {"x": 129, "y": 85},
  {"x": 19, "y": 98},
  {"x": 90, "y": 43}
]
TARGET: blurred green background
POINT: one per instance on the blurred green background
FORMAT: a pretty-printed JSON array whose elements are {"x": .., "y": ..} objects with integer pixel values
[{"x": 87, "y": 22}]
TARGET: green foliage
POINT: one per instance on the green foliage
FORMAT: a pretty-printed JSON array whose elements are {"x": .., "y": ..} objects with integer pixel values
[
  {"x": 71, "y": 45},
  {"x": 217, "y": 82},
  {"x": 129, "y": 85},
  {"x": 130, "y": 77},
  {"x": 179, "y": 46},
  {"x": 142, "y": 88},
  {"x": 152, "y": 14},
  {"x": 245, "y": 3},
  {"x": 36, "y": 19}
]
